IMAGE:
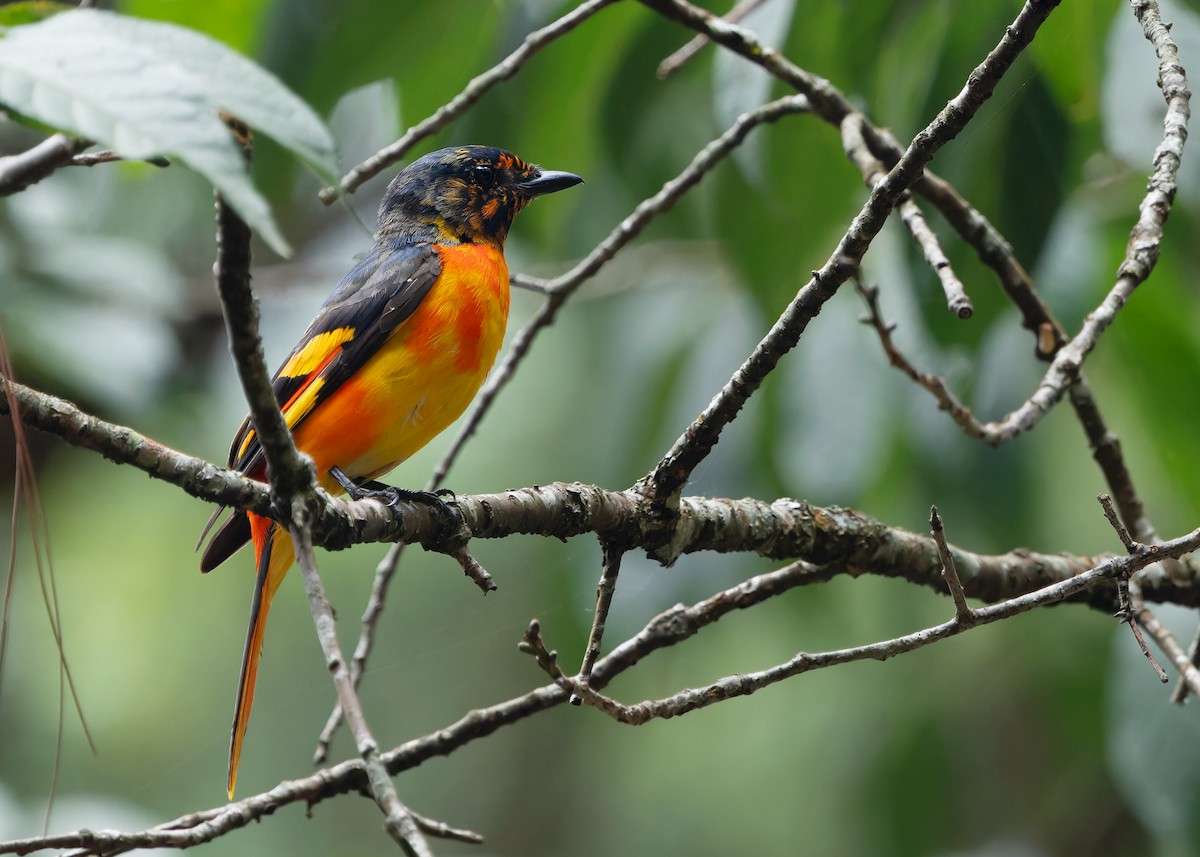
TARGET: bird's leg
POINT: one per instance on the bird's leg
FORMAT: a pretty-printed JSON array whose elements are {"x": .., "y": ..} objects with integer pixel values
[{"x": 390, "y": 495}]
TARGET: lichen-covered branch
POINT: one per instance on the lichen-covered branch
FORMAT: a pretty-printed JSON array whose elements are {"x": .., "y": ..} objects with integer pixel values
[{"x": 783, "y": 529}]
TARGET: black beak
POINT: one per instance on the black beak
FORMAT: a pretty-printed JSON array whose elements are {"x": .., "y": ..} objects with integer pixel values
[{"x": 549, "y": 181}]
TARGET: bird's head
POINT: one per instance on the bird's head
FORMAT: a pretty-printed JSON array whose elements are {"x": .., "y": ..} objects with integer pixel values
[{"x": 465, "y": 194}]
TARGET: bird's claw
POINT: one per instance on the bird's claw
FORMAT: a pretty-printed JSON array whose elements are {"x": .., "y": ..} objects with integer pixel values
[{"x": 391, "y": 496}]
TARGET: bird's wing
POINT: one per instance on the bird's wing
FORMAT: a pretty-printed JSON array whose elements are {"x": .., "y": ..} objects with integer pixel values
[{"x": 375, "y": 298}]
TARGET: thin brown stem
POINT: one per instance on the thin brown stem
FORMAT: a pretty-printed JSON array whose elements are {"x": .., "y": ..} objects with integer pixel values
[
  {"x": 962, "y": 610},
  {"x": 398, "y": 821},
  {"x": 676, "y": 61}
]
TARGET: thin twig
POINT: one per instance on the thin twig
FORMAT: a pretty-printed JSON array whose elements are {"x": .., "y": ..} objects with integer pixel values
[
  {"x": 677, "y": 60},
  {"x": 745, "y": 684},
  {"x": 441, "y": 830},
  {"x": 107, "y": 156},
  {"x": 936, "y": 385},
  {"x": 949, "y": 571},
  {"x": 398, "y": 821},
  {"x": 460, "y": 103},
  {"x": 604, "y": 595},
  {"x": 362, "y": 650},
  {"x": 1142, "y": 616},
  {"x": 873, "y": 172},
  {"x": 529, "y": 283},
  {"x": 1110, "y": 514},
  {"x": 1129, "y": 605}
]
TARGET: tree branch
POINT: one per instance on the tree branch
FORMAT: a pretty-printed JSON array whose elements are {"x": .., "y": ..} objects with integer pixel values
[
  {"x": 666, "y": 481},
  {"x": 18, "y": 172},
  {"x": 673, "y": 626},
  {"x": 784, "y": 529},
  {"x": 872, "y": 170}
]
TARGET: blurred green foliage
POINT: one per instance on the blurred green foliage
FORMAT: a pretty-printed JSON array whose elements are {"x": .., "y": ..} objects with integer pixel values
[{"x": 1040, "y": 736}]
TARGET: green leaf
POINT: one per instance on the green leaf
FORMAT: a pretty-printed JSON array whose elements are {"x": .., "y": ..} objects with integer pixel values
[{"x": 144, "y": 88}]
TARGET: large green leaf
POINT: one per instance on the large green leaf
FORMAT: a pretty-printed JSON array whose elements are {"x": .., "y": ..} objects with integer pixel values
[{"x": 145, "y": 88}]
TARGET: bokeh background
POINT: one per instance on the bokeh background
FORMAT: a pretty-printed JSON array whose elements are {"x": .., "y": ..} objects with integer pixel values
[{"x": 1044, "y": 735}]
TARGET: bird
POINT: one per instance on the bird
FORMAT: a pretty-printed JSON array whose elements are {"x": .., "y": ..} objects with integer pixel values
[{"x": 393, "y": 356}]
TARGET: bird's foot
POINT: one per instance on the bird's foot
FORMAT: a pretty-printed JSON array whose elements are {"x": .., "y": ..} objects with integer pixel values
[{"x": 390, "y": 496}]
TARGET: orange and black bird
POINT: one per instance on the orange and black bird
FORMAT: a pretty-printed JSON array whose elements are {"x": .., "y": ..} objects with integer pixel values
[{"x": 394, "y": 355}]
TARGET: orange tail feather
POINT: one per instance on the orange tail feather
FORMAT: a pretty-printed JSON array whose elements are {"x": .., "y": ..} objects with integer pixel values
[{"x": 274, "y": 555}]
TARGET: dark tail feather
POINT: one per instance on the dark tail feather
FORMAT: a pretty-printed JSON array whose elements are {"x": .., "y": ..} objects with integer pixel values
[{"x": 226, "y": 541}]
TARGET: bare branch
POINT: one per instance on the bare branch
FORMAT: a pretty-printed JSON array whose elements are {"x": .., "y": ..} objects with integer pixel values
[
  {"x": 1170, "y": 647},
  {"x": 399, "y": 822},
  {"x": 674, "y": 625},
  {"x": 666, "y": 481},
  {"x": 107, "y": 156},
  {"x": 1110, "y": 515},
  {"x": 675, "y": 61},
  {"x": 873, "y": 172},
  {"x": 962, "y": 610},
  {"x": 123, "y": 445},
  {"x": 745, "y": 684},
  {"x": 290, "y": 475},
  {"x": 18, "y": 172},
  {"x": 784, "y": 529},
  {"x": 604, "y": 595},
  {"x": 362, "y": 650}
]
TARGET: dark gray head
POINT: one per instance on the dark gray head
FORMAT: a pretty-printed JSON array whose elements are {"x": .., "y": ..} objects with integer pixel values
[{"x": 465, "y": 194}]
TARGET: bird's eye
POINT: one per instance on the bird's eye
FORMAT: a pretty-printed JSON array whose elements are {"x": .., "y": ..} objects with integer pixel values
[{"x": 484, "y": 175}]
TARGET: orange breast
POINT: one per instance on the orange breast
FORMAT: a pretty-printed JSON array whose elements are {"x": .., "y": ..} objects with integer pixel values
[{"x": 424, "y": 375}]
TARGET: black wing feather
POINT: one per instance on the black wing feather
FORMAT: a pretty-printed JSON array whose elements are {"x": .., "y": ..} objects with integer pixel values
[
  {"x": 376, "y": 297},
  {"x": 383, "y": 290}
]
